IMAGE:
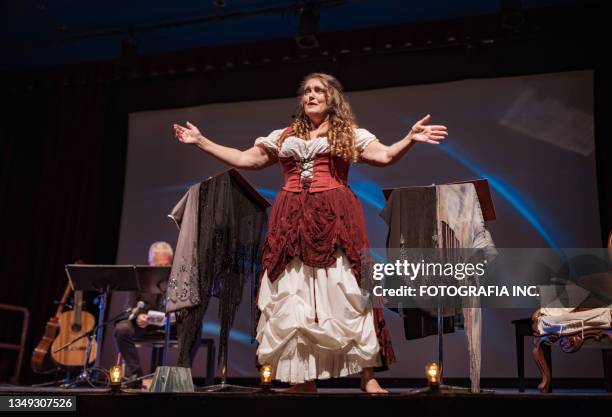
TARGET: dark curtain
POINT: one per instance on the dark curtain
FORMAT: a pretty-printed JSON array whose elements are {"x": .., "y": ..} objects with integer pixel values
[{"x": 52, "y": 185}]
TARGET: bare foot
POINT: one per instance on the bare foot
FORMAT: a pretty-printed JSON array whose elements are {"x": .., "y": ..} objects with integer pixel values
[
  {"x": 306, "y": 387},
  {"x": 369, "y": 384},
  {"x": 372, "y": 387}
]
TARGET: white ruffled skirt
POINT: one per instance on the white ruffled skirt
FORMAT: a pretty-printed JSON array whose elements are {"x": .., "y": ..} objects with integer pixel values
[{"x": 316, "y": 323}]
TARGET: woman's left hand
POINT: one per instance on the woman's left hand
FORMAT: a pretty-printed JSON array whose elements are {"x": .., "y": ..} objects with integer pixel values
[{"x": 422, "y": 132}]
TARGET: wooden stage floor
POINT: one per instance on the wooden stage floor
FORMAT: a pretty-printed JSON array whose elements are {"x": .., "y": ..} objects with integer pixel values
[{"x": 328, "y": 401}]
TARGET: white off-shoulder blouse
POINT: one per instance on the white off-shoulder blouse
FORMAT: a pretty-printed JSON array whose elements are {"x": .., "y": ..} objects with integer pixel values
[{"x": 306, "y": 150}]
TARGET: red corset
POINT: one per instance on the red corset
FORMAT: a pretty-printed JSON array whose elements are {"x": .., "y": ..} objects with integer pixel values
[{"x": 328, "y": 172}]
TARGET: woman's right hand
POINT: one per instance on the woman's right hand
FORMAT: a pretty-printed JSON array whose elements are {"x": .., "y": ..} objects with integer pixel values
[
  {"x": 189, "y": 134},
  {"x": 253, "y": 158}
]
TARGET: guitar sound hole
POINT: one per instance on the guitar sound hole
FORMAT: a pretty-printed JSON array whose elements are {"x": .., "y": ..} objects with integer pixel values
[{"x": 76, "y": 328}]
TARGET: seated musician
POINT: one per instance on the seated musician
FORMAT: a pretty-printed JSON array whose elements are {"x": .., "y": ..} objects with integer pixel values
[{"x": 126, "y": 331}]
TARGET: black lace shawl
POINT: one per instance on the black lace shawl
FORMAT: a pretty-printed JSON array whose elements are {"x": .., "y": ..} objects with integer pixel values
[{"x": 230, "y": 228}]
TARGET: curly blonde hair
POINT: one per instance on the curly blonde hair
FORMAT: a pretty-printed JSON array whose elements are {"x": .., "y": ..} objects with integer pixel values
[{"x": 342, "y": 124}]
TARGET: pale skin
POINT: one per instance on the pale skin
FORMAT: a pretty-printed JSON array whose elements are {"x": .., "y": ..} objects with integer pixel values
[{"x": 316, "y": 106}]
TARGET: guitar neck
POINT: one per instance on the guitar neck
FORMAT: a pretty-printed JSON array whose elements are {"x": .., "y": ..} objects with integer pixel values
[
  {"x": 62, "y": 302},
  {"x": 78, "y": 305}
]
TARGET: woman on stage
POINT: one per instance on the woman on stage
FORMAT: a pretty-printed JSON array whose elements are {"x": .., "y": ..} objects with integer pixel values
[{"x": 316, "y": 321}]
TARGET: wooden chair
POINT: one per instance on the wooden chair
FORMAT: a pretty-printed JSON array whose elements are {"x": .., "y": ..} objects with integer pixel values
[
  {"x": 569, "y": 343},
  {"x": 18, "y": 347},
  {"x": 572, "y": 342}
]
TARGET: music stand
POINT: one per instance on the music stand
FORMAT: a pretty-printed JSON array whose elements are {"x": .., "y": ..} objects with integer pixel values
[
  {"x": 102, "y": 279},
  {"x": 483, "y": 193},
  {"x": 154, "y": 280},
  {"x": 224, "y": 280}
]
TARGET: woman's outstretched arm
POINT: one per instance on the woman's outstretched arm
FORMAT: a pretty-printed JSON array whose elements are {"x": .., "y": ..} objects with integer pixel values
[
  {"x": 253, "y": 158},
  {"x": 381, "y": 155}
]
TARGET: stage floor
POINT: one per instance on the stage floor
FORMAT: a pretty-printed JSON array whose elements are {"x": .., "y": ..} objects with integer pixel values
[{"x": 328, "y": 401}]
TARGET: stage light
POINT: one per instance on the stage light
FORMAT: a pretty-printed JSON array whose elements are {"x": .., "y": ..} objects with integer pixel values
[
  {"x": 116, "y": 376},
  {"x": 265, "y": 374},
  {"x": 512, "y": 15},
  {"x": 308, "y": 26},
  {"x": 432, "y": 373},
  {"x": 128, "y": 55}
]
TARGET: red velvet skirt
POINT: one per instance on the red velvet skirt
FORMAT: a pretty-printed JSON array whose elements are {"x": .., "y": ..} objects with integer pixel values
[{"x": 312, "y": 226}]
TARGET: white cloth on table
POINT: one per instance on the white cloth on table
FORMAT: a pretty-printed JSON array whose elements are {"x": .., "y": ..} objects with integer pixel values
[
  {"x": 562, "y": 321},
  {"x": 316, "y": 323}
]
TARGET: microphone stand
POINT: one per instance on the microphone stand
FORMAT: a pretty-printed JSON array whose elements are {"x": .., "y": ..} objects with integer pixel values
[{"x": 84, "y": 376}]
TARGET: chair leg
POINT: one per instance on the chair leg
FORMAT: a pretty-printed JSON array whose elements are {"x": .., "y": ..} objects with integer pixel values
[
  {"x": 210, "y": 363},
  {"x": 546, "y": 348},
  {"x": 154, "y": 358},
  {"x": 543, "y": 365},
  {"x": 520, "y": 359},
  {"x": 606, "y": 355}
]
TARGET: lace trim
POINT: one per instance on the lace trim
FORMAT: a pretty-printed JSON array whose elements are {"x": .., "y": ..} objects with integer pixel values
[{"x": 181, "y": 290}]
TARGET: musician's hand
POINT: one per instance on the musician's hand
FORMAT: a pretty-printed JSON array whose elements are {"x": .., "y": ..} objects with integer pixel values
[
  {"x": 189, "y": 134},
  {"x": 422, "y": 132},
  {"x": 142, "y": 320}
]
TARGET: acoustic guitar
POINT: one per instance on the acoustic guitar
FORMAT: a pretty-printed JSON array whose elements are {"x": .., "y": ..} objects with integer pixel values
[
  {"x": 40, "y": 361},
  {"x": 72, "y": 324}
]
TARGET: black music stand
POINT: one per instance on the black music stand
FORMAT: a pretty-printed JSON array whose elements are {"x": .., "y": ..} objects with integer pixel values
[
  {"x": 154, "y": 280},
  {"x": 247, "y": 190},
  {"x": 483, "y": 193},
  {"x": 102, "y": 279}
]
